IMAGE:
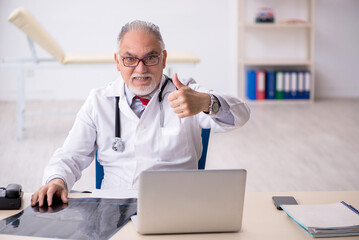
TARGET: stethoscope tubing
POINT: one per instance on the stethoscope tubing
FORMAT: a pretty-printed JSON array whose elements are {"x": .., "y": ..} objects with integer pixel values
[
  {"x": 117, "y": 119},
  {"x": 118, "y": 144}
]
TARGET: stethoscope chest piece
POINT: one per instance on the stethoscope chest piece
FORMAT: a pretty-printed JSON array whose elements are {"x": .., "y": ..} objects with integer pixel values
[{"x": 118, "y": 145}]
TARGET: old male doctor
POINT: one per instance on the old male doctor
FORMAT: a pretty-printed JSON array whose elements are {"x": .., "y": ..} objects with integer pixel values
[{"x": 159, "y": 120}]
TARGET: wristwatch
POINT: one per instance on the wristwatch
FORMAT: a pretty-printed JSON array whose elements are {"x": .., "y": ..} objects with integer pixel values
[{"x": 214, "y": 105}]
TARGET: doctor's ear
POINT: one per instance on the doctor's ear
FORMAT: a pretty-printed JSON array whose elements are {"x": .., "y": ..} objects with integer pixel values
[
  {"x": 117, "y": 61},
  {"x": 164, "y": 59}
]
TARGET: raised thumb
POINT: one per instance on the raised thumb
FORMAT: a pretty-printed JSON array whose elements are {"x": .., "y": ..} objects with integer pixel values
[{"x": 177, "y": 82}]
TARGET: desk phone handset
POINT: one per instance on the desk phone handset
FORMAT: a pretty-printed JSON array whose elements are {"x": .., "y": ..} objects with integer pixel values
[{"x": 10, "y": 197}]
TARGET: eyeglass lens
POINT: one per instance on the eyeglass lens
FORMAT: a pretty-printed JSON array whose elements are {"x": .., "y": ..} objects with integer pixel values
[{"x": 147, "y": 61}]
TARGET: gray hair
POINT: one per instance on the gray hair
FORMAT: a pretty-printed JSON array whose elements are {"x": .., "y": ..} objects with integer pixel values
[{"x": 139, "y": 25}]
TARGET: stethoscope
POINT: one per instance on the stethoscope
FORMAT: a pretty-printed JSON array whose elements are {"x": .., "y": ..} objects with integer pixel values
[{"x": 118, "y": 144}]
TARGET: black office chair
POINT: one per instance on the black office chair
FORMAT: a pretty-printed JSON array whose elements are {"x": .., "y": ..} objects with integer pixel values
[{"x": 201, "y": 163}]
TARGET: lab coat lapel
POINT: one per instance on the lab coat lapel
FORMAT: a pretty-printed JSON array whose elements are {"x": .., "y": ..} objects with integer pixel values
[
  {"x": 125, "y": 108},
  {"x": 117, "y": 89}
]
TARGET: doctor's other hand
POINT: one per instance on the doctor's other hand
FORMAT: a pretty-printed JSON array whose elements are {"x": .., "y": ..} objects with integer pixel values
[
  {"x": 187, "y": 102},
  {"x": 54, "y": 188}
]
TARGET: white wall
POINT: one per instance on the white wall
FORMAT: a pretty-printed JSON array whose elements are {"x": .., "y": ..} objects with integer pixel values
[
  {"x": 205, "y": 28},
  {"x": 337, "y": 48},
  {"x": 208, "y": 28}
]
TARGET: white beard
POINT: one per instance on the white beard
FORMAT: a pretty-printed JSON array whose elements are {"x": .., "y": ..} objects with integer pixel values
[{"x": 145, "y": 89}]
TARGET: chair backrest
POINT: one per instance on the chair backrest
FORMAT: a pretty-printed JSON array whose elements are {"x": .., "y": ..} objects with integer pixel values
[
  {"x": 205, "y": 139},
  {"x": 201, "y": 163}
]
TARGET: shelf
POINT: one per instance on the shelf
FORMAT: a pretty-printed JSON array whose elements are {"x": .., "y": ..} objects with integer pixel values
[
  {"x": 277, "y": 62},
  {"x": 275, "y": 102},
  {"x": 276, "y": 25},
  {"x": 279, "y": 46}
]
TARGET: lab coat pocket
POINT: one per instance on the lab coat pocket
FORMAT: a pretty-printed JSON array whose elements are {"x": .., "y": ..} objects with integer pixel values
[{"x": 174, "y": 144}]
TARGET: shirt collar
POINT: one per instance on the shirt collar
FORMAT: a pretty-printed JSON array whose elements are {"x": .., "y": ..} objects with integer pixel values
[{"x": 129, "y": 95}]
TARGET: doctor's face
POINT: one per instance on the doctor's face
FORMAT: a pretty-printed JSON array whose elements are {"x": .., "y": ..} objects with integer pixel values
[{"x": 144, "y": 78}]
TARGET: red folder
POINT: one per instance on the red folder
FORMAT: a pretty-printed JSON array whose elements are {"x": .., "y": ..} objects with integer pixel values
[{"x": 261, "y": 90}]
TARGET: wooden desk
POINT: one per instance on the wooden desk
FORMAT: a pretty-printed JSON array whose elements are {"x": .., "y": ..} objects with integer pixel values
[{"x": 261, "y": 220}]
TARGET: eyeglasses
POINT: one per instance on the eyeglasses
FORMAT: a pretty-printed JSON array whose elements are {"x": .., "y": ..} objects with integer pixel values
[{"x": 134, "y": 61}]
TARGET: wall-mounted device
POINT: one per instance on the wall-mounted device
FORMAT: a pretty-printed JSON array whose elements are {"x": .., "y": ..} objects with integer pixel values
[{"x": 10, "y": 197}]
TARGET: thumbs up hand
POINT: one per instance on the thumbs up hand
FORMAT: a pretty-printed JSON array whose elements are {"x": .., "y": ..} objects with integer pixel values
[
  {"x": 177, "y": 82},
  {"x": 187, "y": 102}
]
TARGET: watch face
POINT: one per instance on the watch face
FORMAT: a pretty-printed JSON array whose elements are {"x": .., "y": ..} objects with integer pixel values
[{"x": 215, "y": 107}]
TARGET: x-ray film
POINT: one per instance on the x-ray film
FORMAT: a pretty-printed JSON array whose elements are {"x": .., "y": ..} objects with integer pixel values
[{"x": 81, "y": 218}]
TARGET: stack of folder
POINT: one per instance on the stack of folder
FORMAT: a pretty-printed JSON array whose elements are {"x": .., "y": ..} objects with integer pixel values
[
  {"x": 326, "y": 220},
  {"x": 278, "y": 84}
]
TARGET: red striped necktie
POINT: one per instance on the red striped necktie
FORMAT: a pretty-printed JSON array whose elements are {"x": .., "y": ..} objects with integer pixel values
[{"x": 144, "y": 101}]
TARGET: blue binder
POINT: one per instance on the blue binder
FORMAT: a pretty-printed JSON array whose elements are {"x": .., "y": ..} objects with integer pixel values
[
  {"x": 300, "y": 94},
  {"x": 307, "y": 85},
  {"x": 251, "y": 84},
  {"x": 270, "y": 85},
  {"x": 293, "y": 85}
]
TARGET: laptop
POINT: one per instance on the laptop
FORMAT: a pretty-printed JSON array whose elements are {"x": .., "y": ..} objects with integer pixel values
[{"x": 190, "y": 201}]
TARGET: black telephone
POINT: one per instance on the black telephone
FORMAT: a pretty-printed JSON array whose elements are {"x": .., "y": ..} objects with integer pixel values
[{"x": 10, "y": 197}]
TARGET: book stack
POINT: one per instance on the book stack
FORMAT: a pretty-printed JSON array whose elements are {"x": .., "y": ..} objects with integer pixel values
[
  {"x": 326, "y": 220},
  {"x": 278, "y": 84}
]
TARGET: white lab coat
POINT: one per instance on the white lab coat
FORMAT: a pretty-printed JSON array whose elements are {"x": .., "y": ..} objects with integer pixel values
[{"x": 148, "y": 146}]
